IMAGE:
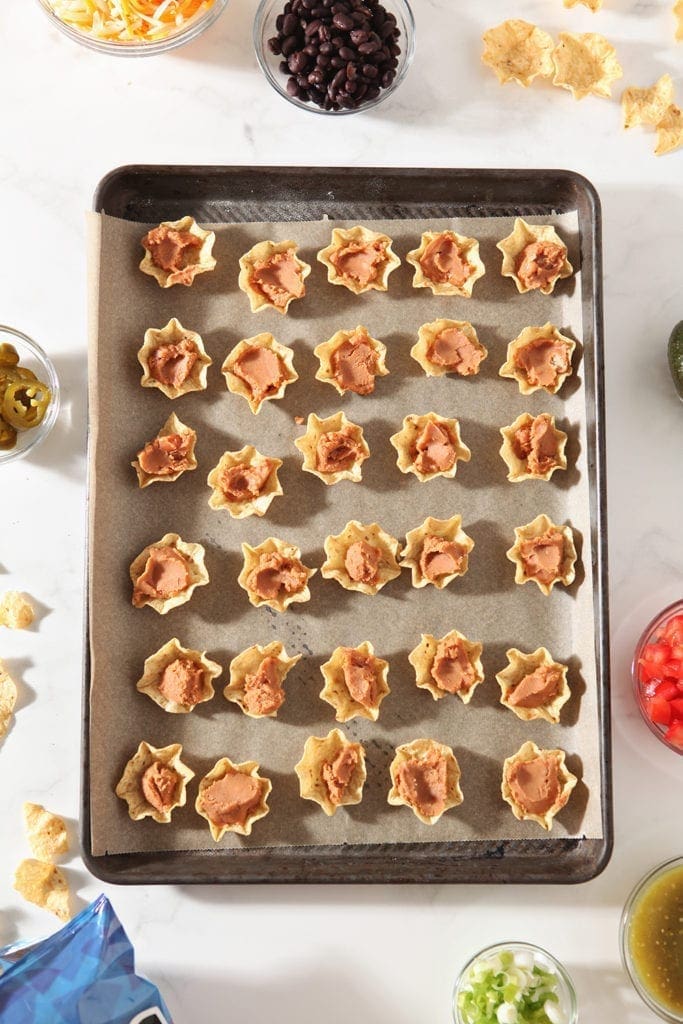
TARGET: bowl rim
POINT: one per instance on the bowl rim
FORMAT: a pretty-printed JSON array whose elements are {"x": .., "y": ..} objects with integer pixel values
[
  {"x": 125, "y": 48},
  {"x": 43, "y": 429},
  {"x": 676, "y": 607},
  {"x": 513, "y": 946},
  {"x": 405, "y": 61},
  {"x": 627, "y": 913}
]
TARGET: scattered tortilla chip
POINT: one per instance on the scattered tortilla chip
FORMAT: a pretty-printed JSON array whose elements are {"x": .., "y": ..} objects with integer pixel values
[
  {"x": 518, "y": 51},
  {"x": 585, "y": 63},
  {"x": 16, "y": 612},
  {"x": 46, "y": 832},
  {"x": 647, "y": 106},
  {"x": 44, "y": 885},
  {"x": 678, "y": 12},
  {"x": 670, "y": 130},
  {"x": 592, "y": 5},
  {"x": 8, "y": 698}
]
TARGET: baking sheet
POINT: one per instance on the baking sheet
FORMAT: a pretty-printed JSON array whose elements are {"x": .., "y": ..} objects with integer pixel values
[{"x": 485, "y": 604}]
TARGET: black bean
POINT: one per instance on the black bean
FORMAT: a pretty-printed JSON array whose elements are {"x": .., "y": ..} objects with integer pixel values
[
  {"x": 369, "y": 70},
  {"x": 297, "y": 63},
  {"x": 279, "y": 22},
  {"x": 326, "y": 49},
  {"x": 394, "y": 50},
  {"x": 373, "y": 92},
  {"x": 340, "y": 8},
  {"x": 338, "y": 80},
  {"x": 318, "y": 12},
  {"x": 393, "y": 63},
  {"x": 292, "y": 87},
  {"x": 337, "y": 62},
  {"x": 361, "y": 91},
  {"x": 359, "y": 35},
  {"x": 387, "y": 79},
  {"x": 322, "y": 61},
  {"x": 274, "y": 46},
  {"x": 316, "y": 77},
  {"x": 338, "y": 41},
  {"x": 290, "y": 25},
  {"x": 308, "y": 4},
  {"x": 369, "y": 47},
  {"x": 312, "y": 27},
  {"x": 324, "y": 34},
  {"x": 311, "y": 50},
  {"x": 284, "y": 67},
  {"x": 289, "y": 45},
  {"x": 343, "y": 22},
  {"x": 350, "y": 87},
  {"x": 347, "y": 53}
]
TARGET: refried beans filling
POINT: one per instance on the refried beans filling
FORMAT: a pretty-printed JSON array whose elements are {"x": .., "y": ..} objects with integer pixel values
[
  {"x": 434, "y": 451},
  {"x": 422, "y": 783},
  {"x": 543, "y": 361},
  {"x": 182, "y": 682},
  {"x": 262, "y": 371},
  {"x": 536, "y": 444},
  {"x": 171, "y": 250},
  {"x": 276, "y": 573},
  {"x": 165, "y": 575},
  {"x": 244, "y": 482},
  {"x": 440, "y": 557},
  {"x": 442, "y": 263},
  {"x": 172, "y": 363},
  {"x": 159, "y": 784},
  {"x": 278, "y": 278},
  {"x": 539, "y": 263},
  {"x": 535, "y": 785},
  {"x": 166, "y": 455},
  {"x": 455, "y": 351},
  {"x": 337, "y": 774},
  {"x": 362, "y": 562},
  {"x": 336, "y": 451},
  {"x": 536, "y": 689},
  {"x": 230, "y": 800},
  {"x": 360, "y": 677},
  {"x": 263, "y": 692},
  {"x": 359, "y": 261},
  {"x": 542, "y": 556},
  {"x": 452, "y": 669},
  {"x": 354, "y": 365}
]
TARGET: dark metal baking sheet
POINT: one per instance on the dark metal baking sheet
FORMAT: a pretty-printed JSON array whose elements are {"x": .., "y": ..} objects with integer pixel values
[{"x": 240, "y": 194}]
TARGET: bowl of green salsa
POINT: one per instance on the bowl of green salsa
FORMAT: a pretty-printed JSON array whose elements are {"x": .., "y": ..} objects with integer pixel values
[{"x": 652, "y": 940}]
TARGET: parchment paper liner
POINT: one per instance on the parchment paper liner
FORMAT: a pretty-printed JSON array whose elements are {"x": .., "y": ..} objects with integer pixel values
[
  {"x": 427, "y": 335},
  {"x": 325, "y": 351},
  {"x": 172, "y": 333},
  {"x": 521, "y": 665},
  {"x": 194, "y": 559},
  {"x": 405, "y": 439},
  {"x": 340, "y": 240},
  {"x": 262, "y": 251},
  {"x": 248, "y": 663},
  {"x": 418, "y": 750},
  {"x": 307, "y": 444},
  {"x": 448, "y": 529},
  {"x": 336, "y": 547},
  {"x": 524, "y": 234},
  {"x": 223, "y": 767},
  {"x": 160, "y": 660},
  {"x": 527, "y": 752},
  {"x": 468, "y": 250},
  {"x": 257, "y": 506},
  {"x": 508, "y": 369},
  {"x": 518, "y": 469},
  {"x": 422, "y": 659},
  {"x": 318, "y": 750},
  {"x": 536, "y": 528},
  {"x": 335, "y": 690},
  {"x": 129, "y": 786},
  {"x": 237, "y": 386},
  {"x": 172, "y": 426},
  {"x": 251, "y": 560},
  {"x": 204, "y": 260}
]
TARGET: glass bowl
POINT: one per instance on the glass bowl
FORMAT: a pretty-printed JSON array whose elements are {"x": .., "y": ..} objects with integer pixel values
[
  {"x": 565, "y": 987},
  {"x": 130, "y": 48},
  {"x": 264, "y": 29},
  {"x": 31, "y": 356},
  {"x": 640, "y": 688},
  {"x": 625, "y": 937}
]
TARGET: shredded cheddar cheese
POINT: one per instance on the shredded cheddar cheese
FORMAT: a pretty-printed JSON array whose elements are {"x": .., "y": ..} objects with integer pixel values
[{"x": 128, "y": 20}]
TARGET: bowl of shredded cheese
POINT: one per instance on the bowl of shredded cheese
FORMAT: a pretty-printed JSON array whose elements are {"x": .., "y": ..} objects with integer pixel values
[{"x": 132, "y": 28}]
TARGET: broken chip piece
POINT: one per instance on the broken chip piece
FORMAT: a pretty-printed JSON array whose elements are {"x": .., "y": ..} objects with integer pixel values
[
  {"x": 46, "y": 832},
  {"x": 647, "y": 106},
  {"x": 8, "y": 699},
  {"x": 518, "y": 51},
  {"x": 669, "y": 130},
  {"x": 425, "y": 776},
  {"x": 332, "y": 771},
  {"x": 232, "y": 797},
  {"x": 154, "y": 782},
  {"x": 449, "y": 665},
  {"x": 585, "y": 63},
  {"x": 272, "y": 275},
  {"x": 44, "y": 885},
  {"x": 16, "y": 611},
  {"x": 176, "y": 251}
]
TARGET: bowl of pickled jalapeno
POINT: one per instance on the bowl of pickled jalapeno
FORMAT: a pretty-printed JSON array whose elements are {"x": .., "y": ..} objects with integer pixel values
[{"x": 29, "y": 395}]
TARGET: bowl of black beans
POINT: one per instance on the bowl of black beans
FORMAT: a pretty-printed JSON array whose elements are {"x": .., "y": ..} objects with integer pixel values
[{"x": 334, "y": 56}]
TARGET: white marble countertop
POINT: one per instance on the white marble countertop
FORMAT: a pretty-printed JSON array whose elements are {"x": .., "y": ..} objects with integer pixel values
[{"x": 66, "y": 118}]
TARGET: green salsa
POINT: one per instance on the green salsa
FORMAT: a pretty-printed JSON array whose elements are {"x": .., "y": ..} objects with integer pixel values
[{"x": 655, "y": 939}]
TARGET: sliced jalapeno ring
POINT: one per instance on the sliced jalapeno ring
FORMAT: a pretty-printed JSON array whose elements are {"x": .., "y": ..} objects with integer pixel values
[
  {"x": 8, "y": 436},
  {"x": 8, "y": 355},
  {"x": 25, "y": 403}
]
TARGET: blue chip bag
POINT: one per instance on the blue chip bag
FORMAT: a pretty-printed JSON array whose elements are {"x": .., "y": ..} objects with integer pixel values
[{"x": 83, "y": 974}]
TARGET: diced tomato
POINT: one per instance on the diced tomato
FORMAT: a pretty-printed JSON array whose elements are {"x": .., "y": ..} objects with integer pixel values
[
  {"x": 659, "y": 710},
  {"x": 674, "y": 734},
  {"x": 657, "y": 653},
  {"x": 673, "y": 631},
  {"x": 676, "y": 706},
  {"x": 673, "y": 670},
  {"x": 648, "y": 670},
  {"x": 679, "y": 684},
  {"x": 667, "y": 690},
  {"x": 677, "y": 651}
]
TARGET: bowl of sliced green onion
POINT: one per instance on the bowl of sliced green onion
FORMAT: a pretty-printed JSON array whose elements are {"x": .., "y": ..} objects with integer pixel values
[{"x": 514, "y": 983}]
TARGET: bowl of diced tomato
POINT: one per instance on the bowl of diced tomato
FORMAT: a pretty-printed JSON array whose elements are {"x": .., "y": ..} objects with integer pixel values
[{"x": 658, "y": 676}]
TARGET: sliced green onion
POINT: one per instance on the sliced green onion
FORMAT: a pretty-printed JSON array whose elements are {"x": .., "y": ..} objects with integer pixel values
[{"x": 510, "y": 988}]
